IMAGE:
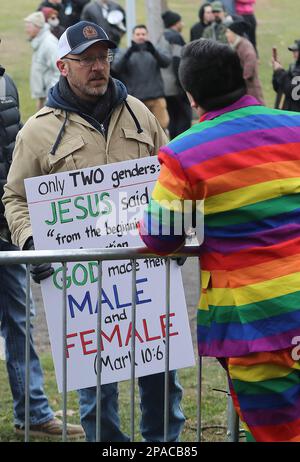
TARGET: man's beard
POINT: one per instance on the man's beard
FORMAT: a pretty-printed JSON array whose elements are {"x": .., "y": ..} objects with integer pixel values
[
  {"x": 95, "y": 91},
  {"x": 85, "y": 89}
]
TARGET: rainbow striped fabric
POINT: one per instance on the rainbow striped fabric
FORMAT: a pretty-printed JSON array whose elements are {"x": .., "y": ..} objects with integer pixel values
[
  {"x": 265, "y": 388},
  {"x": 244, "y": 162}
]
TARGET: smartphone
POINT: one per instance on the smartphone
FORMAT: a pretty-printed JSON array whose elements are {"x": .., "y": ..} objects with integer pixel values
[{"x": 274, "y": 53}]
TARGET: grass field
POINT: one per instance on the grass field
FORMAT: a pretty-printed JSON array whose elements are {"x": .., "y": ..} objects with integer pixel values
[
  {"x": 277, "y": 25},
  {"x": 213, "y": 409}
]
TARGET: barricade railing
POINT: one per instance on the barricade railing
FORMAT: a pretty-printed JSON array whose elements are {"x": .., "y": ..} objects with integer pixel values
[{"x": 100, "y": 255}]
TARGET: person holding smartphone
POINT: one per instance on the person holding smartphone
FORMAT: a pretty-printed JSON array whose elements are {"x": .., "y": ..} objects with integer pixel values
[{"x": 287, "y": 82}]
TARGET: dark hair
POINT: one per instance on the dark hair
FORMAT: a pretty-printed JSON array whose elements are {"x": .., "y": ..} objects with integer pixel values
[
  {"x": 211, "y": 72},
  {"x": 202, "y": 11},
  {"x": 140, "y": 26}
]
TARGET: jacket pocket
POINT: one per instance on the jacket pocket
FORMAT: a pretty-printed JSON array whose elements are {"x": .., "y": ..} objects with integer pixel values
[
  {"x": 215, "y": 289},
  {"x": 63, "y": 159},
  {"x": 205, "y": 285},
  {"x": 139, "y": 143},
  {"x": 205, "y": 281}
]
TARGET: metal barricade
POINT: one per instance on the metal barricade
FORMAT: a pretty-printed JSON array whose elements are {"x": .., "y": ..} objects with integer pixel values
[{"x": 100, "y": 255}]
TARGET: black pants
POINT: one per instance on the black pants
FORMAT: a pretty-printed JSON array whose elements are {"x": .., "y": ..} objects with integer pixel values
[
  {"x": 251, "y": 20},
  {"x": 180, "y": 114}
]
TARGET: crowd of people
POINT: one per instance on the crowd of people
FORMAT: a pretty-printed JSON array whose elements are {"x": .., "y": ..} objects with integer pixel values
[
  {"x": 231, "y": 22},
  {"x": 82, "y": 80},
  {"x": 163, "y": 94}
]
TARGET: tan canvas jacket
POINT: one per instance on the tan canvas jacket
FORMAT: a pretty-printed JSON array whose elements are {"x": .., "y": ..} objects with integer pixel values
[{"x": 81, "y": 146}]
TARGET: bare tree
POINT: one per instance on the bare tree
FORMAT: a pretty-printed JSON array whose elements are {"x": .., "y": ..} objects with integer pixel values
[
  {"x": 164, "y": 5},
  {"x": 154, "y": 9}
]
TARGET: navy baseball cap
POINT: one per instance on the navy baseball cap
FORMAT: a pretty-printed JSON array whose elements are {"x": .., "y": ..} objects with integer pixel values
[
  {"x": 295, "y": 46},
  {"x": 81, "y": 36}
]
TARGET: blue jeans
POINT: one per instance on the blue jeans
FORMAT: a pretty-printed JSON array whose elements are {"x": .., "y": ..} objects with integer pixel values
[
  {"x": 13, "y": 321},
  {"x": 152, "y": 410}
]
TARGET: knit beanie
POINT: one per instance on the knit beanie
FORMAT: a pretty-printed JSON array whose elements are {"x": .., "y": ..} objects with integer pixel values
[
  {"x": 239, "y": 27},
  {"x": 170, "y": 18},
  {"x": 48, "y": 12},
  {"x": 36, "y": 18}
]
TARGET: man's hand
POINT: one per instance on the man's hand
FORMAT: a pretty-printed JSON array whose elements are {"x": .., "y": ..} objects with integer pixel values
[
  {"x": 276, "y": 65},
  {"x": 38, "y": 271},
  {"x": 179, "y": 260},
  {"x": 150, "y": 47},
  {"x": 134, "y": 47}
]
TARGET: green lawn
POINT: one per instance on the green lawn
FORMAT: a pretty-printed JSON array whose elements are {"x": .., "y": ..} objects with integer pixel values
[{"x": 213, "y": 410}]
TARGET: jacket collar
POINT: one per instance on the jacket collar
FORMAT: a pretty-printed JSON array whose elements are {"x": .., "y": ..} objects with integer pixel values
[
  {"x": 61, "y": 113},
  {"x": 244, "y": 101}
]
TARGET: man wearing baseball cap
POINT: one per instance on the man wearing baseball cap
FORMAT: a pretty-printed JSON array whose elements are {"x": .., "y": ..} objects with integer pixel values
[
  {"x": 43, "y": 423},
  {"x": 286, "y": 83},
  {"x": 89, "y": 119},
  {"x": 295, "y": 48},
  {"x": 217, "y": 30},
  {"x": 229, "y": 6}
]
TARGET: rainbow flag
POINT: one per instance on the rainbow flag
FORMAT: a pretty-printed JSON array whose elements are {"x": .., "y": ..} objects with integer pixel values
[{"x": 243, "y": 161}]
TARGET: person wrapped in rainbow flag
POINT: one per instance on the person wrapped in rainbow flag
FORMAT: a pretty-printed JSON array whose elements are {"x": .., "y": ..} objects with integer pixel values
[{"x": 243, "y": 161}]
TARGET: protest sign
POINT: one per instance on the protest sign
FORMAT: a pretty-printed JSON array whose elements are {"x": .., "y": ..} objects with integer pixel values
[{"x": 99, "y": 207}]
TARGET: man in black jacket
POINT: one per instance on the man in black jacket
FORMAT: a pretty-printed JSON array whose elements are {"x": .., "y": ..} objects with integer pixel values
[
  {"x": 286, "y": 83},
  {"x": 43, "y": 424},
  {"x": 178, "y": 106},
  {"x": 73, "y": 10},
  {"x": 108, "y": 15},
  {"x": 139, "y": 68}
]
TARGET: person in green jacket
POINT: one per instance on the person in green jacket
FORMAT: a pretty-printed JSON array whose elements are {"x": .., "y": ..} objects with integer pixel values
[{"x": 216, "y": 31}]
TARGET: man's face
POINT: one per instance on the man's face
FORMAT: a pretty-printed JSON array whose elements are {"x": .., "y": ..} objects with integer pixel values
[
  {"x": 87, "y": 82},
  {"x": 296, "y": 55},
  {"x": 140, "y": 35},
  {"x": 179, "y": 26},
  {"x": 31, "y": 30},
  {"x": 219, "y": 16},
  {"x": 208, "y": 16}
]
